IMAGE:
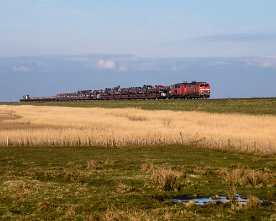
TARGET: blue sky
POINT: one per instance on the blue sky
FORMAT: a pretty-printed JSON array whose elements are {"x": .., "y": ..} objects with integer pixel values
[
  {"x": 51, "y": 46},
  {"x": 162, "y": 28}
]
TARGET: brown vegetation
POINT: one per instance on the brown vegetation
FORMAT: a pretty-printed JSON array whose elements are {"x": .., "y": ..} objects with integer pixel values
[
  {"x": 91, "y": 165},
  {"x": 63, "y": 126},
  {"x": 164, "y": 177},
  {"x": 253, "y": 202},
  {"x": 248, "y": 178}
]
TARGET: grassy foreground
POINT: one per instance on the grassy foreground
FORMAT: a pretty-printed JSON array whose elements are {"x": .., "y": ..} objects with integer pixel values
[
  {"x": 123, "y": 184},
  {"x": 256, "y": 106}
]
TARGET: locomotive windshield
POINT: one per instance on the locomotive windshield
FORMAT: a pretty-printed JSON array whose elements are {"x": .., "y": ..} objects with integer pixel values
[{"x": 204, "y": 85}]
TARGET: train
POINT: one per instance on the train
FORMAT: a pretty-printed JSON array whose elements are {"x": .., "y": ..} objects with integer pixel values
[{"x": 184, "y": 90}]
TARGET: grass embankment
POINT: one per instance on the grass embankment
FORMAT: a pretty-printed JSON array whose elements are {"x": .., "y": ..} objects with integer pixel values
[
  {"x": 65, "y": 126},
  {"x": 256, "y": 106},
  {"x": 123, "y": 184}
]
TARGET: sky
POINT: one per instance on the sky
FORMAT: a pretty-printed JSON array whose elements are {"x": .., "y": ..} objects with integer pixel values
[{"x": 136, "y": 42}]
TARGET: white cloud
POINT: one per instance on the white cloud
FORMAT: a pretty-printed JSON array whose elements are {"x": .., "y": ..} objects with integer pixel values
[
  {"x": 239, "y": 37},
  {"x": 216, "y": 63},
  {"x": 122, "y": 68},
  {"x": 178, "y": 66},
  {"x": 20, "y": 69},
  {"x": 264, "y": 62},
  {"x": 31, "y": 62},
  {"x": 106, "y": 65},
  {"x": 268, "y": 64}
]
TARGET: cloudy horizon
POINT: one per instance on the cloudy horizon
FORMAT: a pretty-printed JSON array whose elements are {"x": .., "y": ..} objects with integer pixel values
[{"x": 232, "y": 77}]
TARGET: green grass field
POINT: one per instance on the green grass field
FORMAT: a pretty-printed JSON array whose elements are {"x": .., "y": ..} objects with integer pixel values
[
  {"x": 109, "y": 184},
  {"x": 99, "y": 183},
  {"x": 245, "y": 106}
]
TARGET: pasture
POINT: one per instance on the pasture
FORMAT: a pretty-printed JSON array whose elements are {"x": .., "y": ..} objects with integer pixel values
[
  {"x": 127, "y": 160},
  {"x": 105, "y": 183},
  {"x": 252, "y": 106}
]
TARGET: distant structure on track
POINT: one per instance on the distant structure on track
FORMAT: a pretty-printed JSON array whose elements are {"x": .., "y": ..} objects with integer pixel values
[{"x": 192, "y": 90}]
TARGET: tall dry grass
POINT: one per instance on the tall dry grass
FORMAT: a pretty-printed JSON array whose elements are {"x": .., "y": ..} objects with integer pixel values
[
  {"x": 247, "y": 177},
  {"x": 65, "y": 126},
  {"x": 164, "y": 177}
]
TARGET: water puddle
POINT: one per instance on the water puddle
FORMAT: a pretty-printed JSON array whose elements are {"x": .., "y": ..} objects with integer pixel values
[{"x": 213, "y": 200}]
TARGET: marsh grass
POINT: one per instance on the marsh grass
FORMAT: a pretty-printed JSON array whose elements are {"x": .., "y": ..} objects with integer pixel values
[
  {"x": 70, "y": 212},
  {"x": 52, "y": 183},
  {"x": 166, "y": 178},
  {"x": 44, "y": 206},
  {"x": 163, "y": 176},
  {"x": 147, "y": 167},
  {"x": 61, "y": 126},
  {"x": 132, "y": 215},
  {"x": 109, "y": 162},
  {"x": 244, "y": 177},
  {"x": 91, "y": 165},
  {"x": 253, "y": 202},
  {"x": 166, "y": 214},
  {"x": 247, "y": 178}
]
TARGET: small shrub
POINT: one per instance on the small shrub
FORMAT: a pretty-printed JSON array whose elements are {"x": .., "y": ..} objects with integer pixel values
[
  {"x": 253, "y": 202},
  {"x": 72, "y": 174},
  {"x": 91, "y": 165},
  {"x": 123, "y": 188},
  {"x": 126, "y": 214},
  {"x": 273, "y": 217},
  {"x": 147, "y": 167},
  {"x": 25, "y": 186},
  {"x": 190, "y": 203},
  {"x": 43, "y": 206},
  {"x": 166, "y": 178},
  {"x": 247, "y": 177},
  {"x": 232, "y": 192},
  {"x": 109, "y": 162},
  {"x": 236, "y": 206},
  {"x": 70, "y": 212}
]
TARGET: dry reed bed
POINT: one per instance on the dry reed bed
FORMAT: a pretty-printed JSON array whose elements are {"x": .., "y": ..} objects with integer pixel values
[{"x": 65, "y": 126}]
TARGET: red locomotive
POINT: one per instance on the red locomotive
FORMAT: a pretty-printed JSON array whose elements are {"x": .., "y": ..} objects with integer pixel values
[
  {"x": 193, "y": 90},
  {"x": 190, "y": 90}
]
